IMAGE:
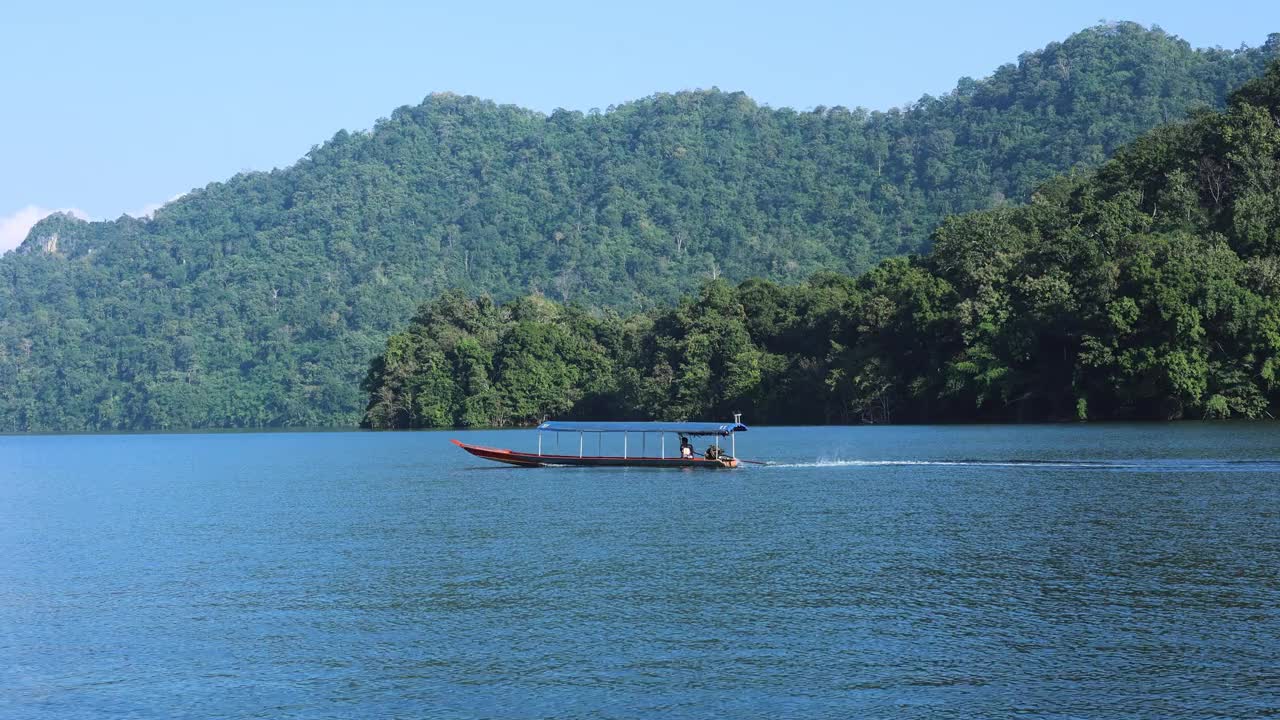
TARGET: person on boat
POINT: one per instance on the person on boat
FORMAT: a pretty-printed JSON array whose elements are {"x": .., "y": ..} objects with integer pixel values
[
  {"x": 713, "y": 452},
  {"x": 686, "y": 450}
]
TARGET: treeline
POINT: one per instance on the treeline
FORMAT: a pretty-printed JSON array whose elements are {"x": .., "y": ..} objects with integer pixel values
[
  {"x": 259, "y": 301},
  {"x": 1149, "y": 289}
]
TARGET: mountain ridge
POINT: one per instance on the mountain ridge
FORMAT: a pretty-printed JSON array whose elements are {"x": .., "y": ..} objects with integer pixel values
[
  {"x": 258, "y": 300},
  {"x": 1148, "y": 289},
  {"x": 1054, "y": 52}
]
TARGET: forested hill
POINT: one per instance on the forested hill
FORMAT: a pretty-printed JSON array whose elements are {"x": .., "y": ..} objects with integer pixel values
[
  {"x": 1149, "y": 289},
  {"x": 259, "y": 301}
]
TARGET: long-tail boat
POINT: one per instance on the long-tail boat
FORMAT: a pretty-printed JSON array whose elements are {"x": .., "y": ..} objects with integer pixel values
[{"x": 714, "y": 457}]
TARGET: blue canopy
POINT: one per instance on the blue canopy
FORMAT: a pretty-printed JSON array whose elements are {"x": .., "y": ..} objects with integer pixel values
[{"x": 682, "y": 428}]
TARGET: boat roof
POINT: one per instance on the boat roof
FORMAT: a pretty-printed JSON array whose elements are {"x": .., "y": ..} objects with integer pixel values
[{"x": 683, "y": 428}]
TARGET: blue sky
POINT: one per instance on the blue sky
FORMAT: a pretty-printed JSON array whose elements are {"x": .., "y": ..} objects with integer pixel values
[{"x": 116, "y": 107}]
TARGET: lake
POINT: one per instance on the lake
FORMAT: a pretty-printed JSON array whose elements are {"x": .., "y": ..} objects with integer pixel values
[{"x": 1119, "y": 571}]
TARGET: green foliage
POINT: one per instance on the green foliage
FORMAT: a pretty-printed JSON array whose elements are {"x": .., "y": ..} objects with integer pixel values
[
  {"x": 258, "y": 301},
  {"x": 1149, "y": 289},
  {"x": 468, "y": 362}
]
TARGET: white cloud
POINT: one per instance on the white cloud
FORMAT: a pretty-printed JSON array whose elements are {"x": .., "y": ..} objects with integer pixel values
[
  {"x": 145, "y": 211},
  {"x": 148, "y": 210},
  {"x": 14, "y": 228}
]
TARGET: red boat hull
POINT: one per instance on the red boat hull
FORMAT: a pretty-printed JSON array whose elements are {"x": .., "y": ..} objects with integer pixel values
[{"x": 521, "y": 459}]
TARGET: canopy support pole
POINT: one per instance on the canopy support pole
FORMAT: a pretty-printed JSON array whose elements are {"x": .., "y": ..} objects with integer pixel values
[
  {"x": 624, "y": 445},
  {"x": 664, "y": 446},
  {"x": 579, "y": 443},
  {"x": 539, "y": 443}
]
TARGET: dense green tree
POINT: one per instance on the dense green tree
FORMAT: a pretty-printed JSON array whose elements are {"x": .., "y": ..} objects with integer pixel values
[
  {"x": 258, "y": 301},
  {"x": 1149, "y": 289}
]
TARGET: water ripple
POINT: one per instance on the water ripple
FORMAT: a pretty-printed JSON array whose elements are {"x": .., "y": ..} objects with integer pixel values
[{"x": 947, "y": 573}]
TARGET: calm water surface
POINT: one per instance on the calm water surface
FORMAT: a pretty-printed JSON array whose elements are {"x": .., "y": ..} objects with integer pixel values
[{"x": 905, "y": 572}]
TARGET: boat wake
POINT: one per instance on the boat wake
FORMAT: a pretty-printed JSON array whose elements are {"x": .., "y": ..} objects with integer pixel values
[{"x": 1156, "y": 465}]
